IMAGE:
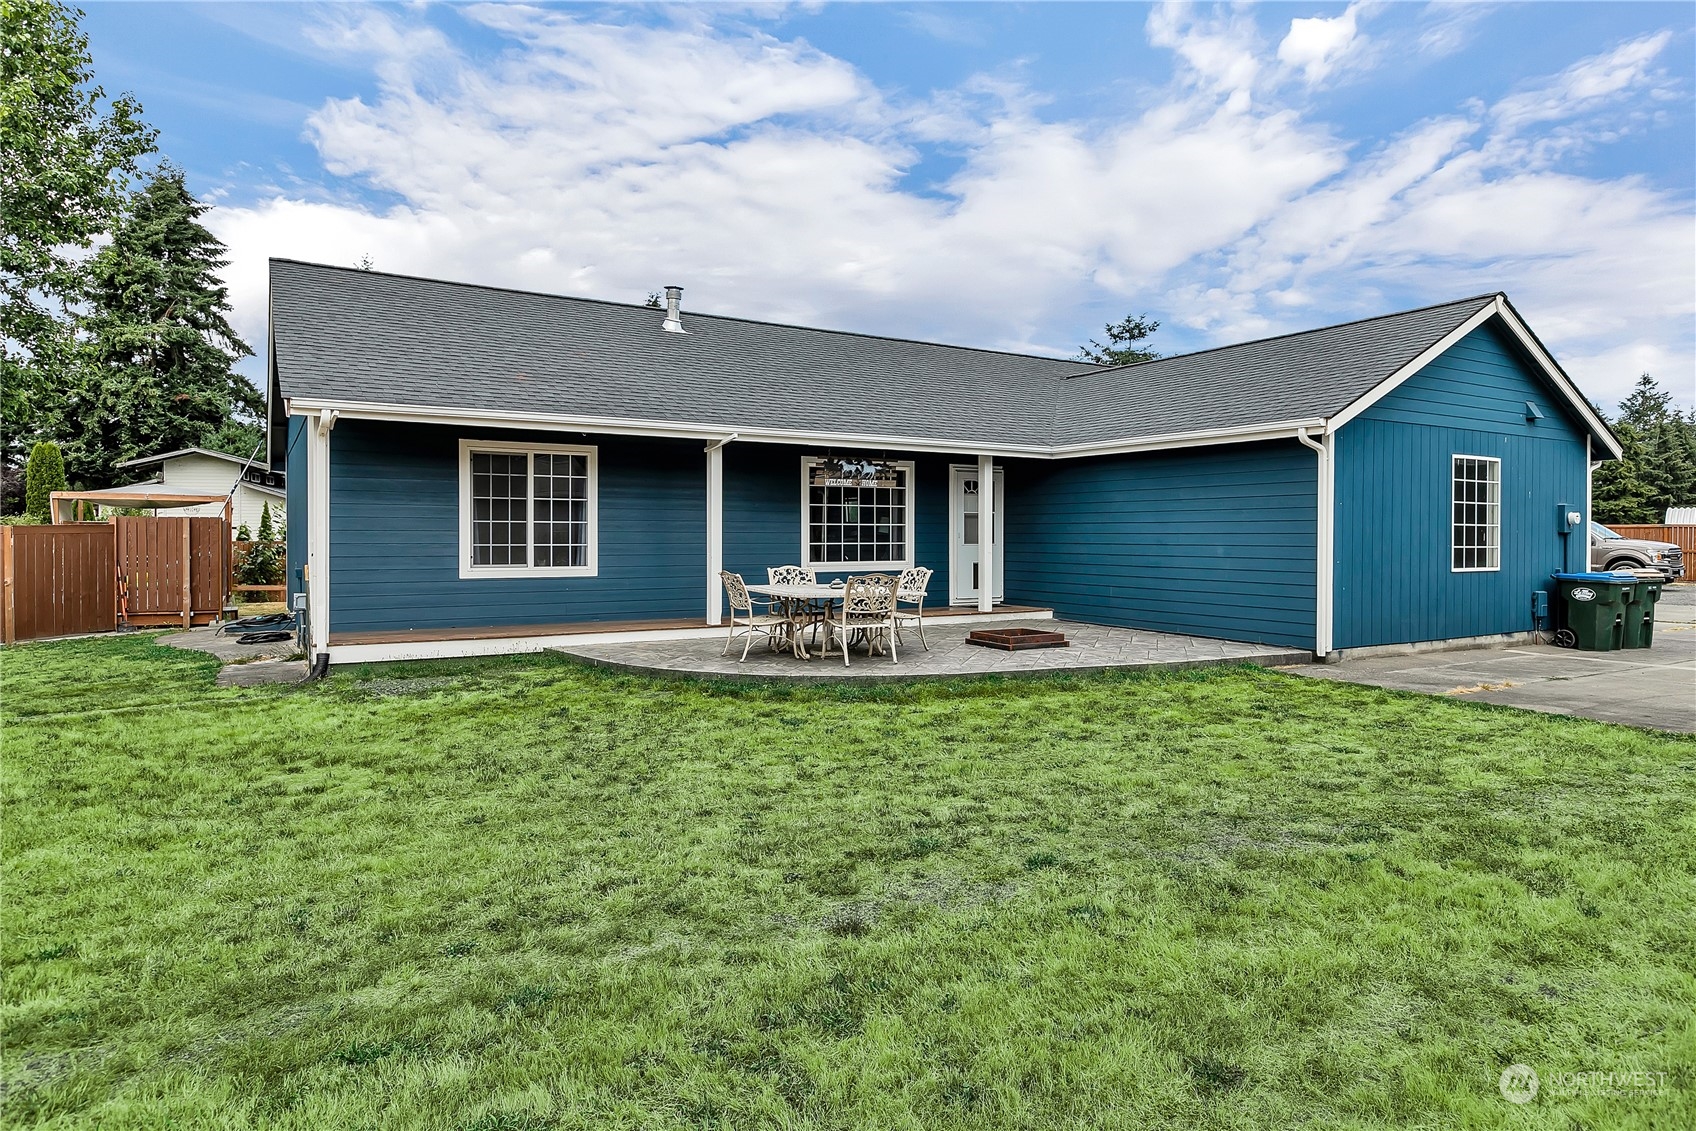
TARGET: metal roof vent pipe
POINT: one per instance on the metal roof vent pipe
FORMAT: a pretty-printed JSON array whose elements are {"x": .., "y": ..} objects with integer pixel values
[{"x": 673, "y": 323}]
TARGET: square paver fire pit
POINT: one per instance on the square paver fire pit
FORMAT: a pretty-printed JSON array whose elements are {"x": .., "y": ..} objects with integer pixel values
[{"x": 1017, "y": 639}]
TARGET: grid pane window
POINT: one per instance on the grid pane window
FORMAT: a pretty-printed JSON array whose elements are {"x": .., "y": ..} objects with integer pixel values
[
  {"x": 561, "y": 510},
  {"x": 1476, "y": 513},
  {"x": 500, "y": 489},
  {"x": 528, "y": 509},
  {"x": 857, "y": 518}
]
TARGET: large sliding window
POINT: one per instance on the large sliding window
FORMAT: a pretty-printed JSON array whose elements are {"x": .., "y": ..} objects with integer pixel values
[
  {"x": 856, "y": 514},
  {"x": 526, "y": 510},
  {"x": 1475, "y": 514}
]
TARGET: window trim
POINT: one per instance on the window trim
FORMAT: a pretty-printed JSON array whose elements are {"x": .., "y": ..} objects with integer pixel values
[
  {"x": 469, "y": 572},
  {"x": 906, "y": 465},
  {"x": 1454, "y": 460}
]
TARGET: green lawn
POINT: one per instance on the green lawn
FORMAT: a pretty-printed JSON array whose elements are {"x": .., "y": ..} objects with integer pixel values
[{"x": 523, "y": 894}]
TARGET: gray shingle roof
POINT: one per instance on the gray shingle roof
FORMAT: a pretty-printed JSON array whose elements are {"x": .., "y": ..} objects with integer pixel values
[
  {"x": 1305, "y": 376},
  {"x": 361, "y": 336}
]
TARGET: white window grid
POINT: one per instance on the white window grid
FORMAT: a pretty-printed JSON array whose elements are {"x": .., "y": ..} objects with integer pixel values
[
  {"x": 857, "y": 526},
  {"x": 527, "y": 510},
  {"x": 1475, "y": 516}
]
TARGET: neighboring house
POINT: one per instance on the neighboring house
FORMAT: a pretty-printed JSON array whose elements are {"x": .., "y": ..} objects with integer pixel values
[
  {"x": 1680, "y": 516},
  {"x": 199, "y": 471},
  {"x": 474, "y": 469}
]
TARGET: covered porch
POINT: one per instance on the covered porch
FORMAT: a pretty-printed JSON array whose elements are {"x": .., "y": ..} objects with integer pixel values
[{"x": 429, "y": 539}]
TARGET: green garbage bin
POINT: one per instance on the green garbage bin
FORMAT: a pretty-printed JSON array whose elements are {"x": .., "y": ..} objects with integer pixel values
[
  {"x": 1640, "y": 613},
  {"x": 1594, "y": 608}
]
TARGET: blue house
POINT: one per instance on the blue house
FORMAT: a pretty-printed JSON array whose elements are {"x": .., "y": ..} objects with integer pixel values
[{"x": 476, "y": 470}]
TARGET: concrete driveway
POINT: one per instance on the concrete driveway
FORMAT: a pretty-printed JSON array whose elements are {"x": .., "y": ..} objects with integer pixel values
[{"x": 1654, "y": 687}]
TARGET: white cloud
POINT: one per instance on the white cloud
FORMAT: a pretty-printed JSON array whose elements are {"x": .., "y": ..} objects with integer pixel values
[
  {"x": 605, "y": 159},
  {"x": 1316, "y": 46}
]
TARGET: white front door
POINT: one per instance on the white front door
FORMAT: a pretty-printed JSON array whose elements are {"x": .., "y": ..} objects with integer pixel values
[{"x": 965, "y": 535}]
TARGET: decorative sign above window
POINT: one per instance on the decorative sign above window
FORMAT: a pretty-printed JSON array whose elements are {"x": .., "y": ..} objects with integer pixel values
[{"x": 832, "y": 471}]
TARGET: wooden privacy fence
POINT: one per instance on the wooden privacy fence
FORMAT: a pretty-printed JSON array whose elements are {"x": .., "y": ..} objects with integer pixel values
[
  {"x": 174, "y": 570},
  {"x": 71, "y": 578},
  {"x": 1683, "y": 535},
  {"x": 59, "y": 581}
]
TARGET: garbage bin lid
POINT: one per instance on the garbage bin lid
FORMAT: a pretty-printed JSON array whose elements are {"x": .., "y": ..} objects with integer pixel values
[{"x": 1617, "y": 577}]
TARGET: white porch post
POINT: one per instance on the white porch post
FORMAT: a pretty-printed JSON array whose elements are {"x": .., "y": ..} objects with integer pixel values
[
  {"x": 318, "y": 529},
  {"x": 986, "y": 534},
  {"x": 715, "y": 530}
]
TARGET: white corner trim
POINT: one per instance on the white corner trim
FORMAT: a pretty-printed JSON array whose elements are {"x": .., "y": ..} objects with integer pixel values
[
  {"x": 911, "y": 508},
  {"x": 469, "y": 572}
]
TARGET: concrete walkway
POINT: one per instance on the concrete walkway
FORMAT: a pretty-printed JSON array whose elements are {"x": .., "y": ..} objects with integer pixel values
[
  {"x": 245, "y": 665},
  {"x": 1653, "y": 687},
  {"x": 1093, "y": 647}
]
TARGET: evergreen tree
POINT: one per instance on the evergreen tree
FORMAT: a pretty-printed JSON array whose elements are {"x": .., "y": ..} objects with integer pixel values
[
  {"x": 1120, "y": 347},
  {"x": 1658, "y": 469},
  {"x": 161, "y": 350},
  {"x": 44, "y": 475},
  {"x": 65, "y": 170}
]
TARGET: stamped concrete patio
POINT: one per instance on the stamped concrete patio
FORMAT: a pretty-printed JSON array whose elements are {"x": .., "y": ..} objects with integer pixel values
[{"x": 1093, "y": 647}]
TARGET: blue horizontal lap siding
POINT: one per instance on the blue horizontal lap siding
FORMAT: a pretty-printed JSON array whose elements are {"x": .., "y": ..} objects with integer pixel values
[
  {"x": 1394, "y": 583},
  {"x": 394, "y": 534},
  {"x": 1212, "y": 541}
]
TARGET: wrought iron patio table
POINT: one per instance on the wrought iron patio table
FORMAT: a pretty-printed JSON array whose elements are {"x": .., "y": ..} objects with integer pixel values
[{"x": 795, "y": 599}]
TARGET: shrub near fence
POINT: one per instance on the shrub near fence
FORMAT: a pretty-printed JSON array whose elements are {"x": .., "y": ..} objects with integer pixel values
[
  {"x": 259, "y": 568},
  {"x": 1682, "y": 535}
]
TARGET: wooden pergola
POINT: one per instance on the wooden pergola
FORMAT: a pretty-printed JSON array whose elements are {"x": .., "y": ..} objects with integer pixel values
[{"x": 129, "y": 497}]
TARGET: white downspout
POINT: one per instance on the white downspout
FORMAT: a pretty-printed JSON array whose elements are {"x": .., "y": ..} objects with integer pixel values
[
  {"x": 1324, "y": 582},
  {"x": 318, "y": 532},
  {"x": 715, "y": 527}
]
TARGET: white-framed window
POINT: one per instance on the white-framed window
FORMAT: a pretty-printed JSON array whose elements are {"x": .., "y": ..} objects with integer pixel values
[
  {"x": 1475, "y": 516},
  {"x": 526, "y": 510},
  {"x": 856, "y": 514}
]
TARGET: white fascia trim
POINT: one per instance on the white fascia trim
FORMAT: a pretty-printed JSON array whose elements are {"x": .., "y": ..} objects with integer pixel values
[
  {"x": 1498, "y": 308},
  {"x": 612, "y": 426},
  {"x": 1278, "y": 430}
]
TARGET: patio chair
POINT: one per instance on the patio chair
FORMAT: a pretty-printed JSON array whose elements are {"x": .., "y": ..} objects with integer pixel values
[
  {"x": 868, "y": 606},
  {"x": 791, "y": 575},
  {"x": 745, "y": 619},
  {"x": 802, "y": 614},
  {"x": 911, "y": 590}
]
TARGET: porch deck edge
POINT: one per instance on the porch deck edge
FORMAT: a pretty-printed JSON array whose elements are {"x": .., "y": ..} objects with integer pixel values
[
  {"x": 832, "y": 674},
  {"x": 507, "y": 640}
]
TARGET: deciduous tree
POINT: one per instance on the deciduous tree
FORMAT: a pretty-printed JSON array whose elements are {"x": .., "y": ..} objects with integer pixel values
[{"x": 67, "y": 159}]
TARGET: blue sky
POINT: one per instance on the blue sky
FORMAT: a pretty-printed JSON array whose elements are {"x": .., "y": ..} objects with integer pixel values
[{"x": 1007, "y": 175}]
